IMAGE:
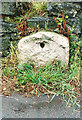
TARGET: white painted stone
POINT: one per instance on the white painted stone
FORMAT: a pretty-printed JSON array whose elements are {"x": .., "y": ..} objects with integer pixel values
[{"x": 55, "y": 46}]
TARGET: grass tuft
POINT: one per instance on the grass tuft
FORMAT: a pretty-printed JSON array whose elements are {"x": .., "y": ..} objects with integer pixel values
[{"x": 51, "y": 79}]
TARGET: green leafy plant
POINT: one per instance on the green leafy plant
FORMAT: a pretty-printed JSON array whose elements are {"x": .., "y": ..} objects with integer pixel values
[
  {"x": 40, "y": 8},
  {"x": 61, "y": 25},
  {"x": 22, "y": 27},
  {"x": 35, "y": 9},
  {"x": 29, "y": 10}
]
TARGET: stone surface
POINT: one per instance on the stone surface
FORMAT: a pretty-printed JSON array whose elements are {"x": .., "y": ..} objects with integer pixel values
[
  {"x": 73, "y": 10},
  {"x": 43, "y": 47},
  {"x": 18, "y": 106},
  {"x": 8, "y": 8},
  {"x": 8, "y": 32}
]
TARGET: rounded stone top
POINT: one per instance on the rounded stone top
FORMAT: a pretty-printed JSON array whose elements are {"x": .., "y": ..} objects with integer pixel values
[{"x": 43, "y": 47}]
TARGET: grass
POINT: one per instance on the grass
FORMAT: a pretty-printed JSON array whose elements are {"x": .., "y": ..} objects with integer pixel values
[{"x": 51, "y": 79}]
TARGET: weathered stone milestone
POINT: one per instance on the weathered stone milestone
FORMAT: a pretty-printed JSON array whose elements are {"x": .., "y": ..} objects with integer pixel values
[{"x": 43, "y": 47}]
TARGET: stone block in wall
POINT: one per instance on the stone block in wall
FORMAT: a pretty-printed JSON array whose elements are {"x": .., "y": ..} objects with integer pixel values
[
  {"x": 8, "y": 33},
  {"x": 43, "y": 22},
  {"x": 8, "y": 8},
  {"x": 43, "y": 47}
]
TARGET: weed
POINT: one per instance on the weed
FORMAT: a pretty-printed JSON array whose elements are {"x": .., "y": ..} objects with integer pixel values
[
  {"x": 61, "y": 25},
  {"x": 35, "y": 9},
  {"x": 49, "y": 79}
]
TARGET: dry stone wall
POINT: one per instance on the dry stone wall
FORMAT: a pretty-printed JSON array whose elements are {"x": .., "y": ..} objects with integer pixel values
[
  {"x": 8, "y": 29},
  {"x": 72, "y": 9}
]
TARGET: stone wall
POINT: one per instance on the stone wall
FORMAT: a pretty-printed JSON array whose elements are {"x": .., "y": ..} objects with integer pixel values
[
  {"x": 9, "y": 33},
  {"x": 73, "y": 10},
  {"x": 8, "y": 30}
]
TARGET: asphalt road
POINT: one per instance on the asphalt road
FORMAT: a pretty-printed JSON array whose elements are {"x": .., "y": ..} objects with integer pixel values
[{"x": 17, "y": 106}]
